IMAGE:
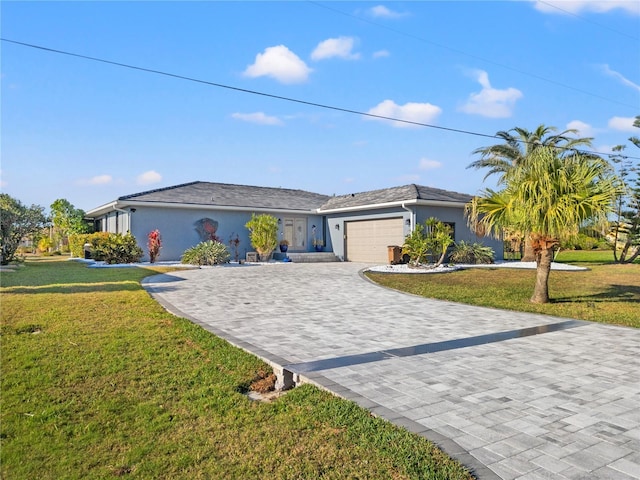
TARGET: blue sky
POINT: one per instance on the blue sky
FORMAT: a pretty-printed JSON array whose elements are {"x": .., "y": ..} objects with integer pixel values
[{"x": 91, "y": 132}]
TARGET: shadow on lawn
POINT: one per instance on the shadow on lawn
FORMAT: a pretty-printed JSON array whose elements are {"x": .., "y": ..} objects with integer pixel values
[
  {"x": 79, "y": 280},
  {"x": 615, "y": 293}
]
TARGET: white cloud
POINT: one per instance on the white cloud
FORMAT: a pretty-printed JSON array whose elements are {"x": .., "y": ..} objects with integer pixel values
[
  {"x": 617, "y": 75},
  {"x": 623, "y": 124},
  {"x": 257, "y": 117},
  {"x": 412, "y": 112},
  {"x": 380, "y": 11},
  {"x": 593, "y": 6},
  {"x": 426, "y": 164},
  {"x": 341, "y": 47},
  {"x": 97, "y": 180},
  {"x": 491, "y": 102},
  {"x": 381, "y": 54},
  {"x": 279, "y": 63},
  {"x": 147, "y": 178},
  {"x": 584, "y": 129}
]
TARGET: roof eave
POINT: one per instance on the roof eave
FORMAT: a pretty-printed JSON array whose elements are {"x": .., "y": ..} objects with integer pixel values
[
  {"x": 430, "y": 203},
  {"x": 119, "y": 204}
]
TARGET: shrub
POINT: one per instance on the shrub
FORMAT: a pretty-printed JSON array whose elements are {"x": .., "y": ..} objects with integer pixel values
[
  {"x": 432, "y": 241},
  {"x": 77, "y": 241},
  {"x": 154, "y": 244},
  {"x": 415, "y": 245},
  {"x": 45, "y": 244},
  {"x": 206, "y": 253},
  {"x": 263, "y": 233},
  {"x": 472, "y": 253},
  {"x": 118, "y": 248}
]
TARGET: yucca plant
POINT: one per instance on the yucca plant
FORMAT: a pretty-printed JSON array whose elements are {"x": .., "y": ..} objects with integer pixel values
[
  {"x": 472, "y": 253},
  {"x": 206, "y": 253}
]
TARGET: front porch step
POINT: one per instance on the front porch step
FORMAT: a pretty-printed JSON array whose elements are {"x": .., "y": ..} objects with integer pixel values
[{"x": 308, "y": 257}]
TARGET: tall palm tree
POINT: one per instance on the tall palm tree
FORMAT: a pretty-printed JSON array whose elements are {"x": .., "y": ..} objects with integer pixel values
[
  {"x": 519, "y": 144},
  {"x": 549, "y": 196}
]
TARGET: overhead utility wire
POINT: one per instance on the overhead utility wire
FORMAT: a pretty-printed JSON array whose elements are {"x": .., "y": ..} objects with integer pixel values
[
  {"x": 551, "y": 5},
  {"x": 470, "y": 55},
  {"x": 269, "y": 95}
]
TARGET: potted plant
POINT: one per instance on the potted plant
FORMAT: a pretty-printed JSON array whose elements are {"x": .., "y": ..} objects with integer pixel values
[
  {"x": 263, "y": 233},
  {"x": 284, "y": 245}
]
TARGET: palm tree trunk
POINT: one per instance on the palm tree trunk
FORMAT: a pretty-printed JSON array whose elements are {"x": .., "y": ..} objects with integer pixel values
[
  {"x": 541, "y": 290},
  {"x": 529, "y": 255}
]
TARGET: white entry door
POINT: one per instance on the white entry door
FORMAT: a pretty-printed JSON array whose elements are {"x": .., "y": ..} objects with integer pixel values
[{"x": 295, "y": 232}]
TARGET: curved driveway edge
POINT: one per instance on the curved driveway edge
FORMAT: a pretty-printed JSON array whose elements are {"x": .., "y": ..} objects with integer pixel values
[{"x": 560, "y": 402}]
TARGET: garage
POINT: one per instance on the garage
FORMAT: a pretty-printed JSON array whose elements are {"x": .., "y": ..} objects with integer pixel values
[{"x": 367, "y": 240}]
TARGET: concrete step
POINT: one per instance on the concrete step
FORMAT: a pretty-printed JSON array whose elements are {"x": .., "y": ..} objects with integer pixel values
[{"x": 308, "y": 257}]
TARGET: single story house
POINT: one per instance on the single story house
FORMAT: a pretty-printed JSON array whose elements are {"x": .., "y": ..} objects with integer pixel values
[{"x": 356, "y": 227}]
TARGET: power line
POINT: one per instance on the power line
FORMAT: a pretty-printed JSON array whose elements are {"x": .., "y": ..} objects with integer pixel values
[
  {"x": 263, "y": 94},
  {"x": 551, "y": 5},
  {"x": 470, "y": 55}
]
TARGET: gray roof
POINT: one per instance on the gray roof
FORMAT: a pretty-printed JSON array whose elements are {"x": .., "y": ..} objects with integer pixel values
[
  {"x": 404, "y": 193},
  {"x": 222, "y": 194}
]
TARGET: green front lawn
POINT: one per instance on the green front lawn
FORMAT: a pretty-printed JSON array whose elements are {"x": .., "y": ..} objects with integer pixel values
[
  {"x": 98, "y": 381},
  {"x": 607, "y": 292}
]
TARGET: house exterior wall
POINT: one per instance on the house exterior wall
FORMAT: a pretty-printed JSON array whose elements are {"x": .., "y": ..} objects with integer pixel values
[
  {"x": 462, "y": 231},
  {"x": 412, "y": 214},
  {"x": 336, "y": 221},
  {"x": 179, "y": 232}
]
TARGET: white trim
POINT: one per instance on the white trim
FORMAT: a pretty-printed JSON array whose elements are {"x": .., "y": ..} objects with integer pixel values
[
  {"x": 431, "y": 203},
  {"x": 117, "y": 205}
]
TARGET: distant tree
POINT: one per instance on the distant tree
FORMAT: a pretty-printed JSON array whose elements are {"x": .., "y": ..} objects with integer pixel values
[
  {"x": 516, "y": 149},
  {"x": 17, "y": 222},
  {"x": 67, "y": 219},
  {"x": 626, "y": 227},
  {"x": 549, "y": 197}
]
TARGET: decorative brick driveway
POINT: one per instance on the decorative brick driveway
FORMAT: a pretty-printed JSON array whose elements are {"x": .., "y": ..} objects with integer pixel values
[{"x": 511, "y": 395}]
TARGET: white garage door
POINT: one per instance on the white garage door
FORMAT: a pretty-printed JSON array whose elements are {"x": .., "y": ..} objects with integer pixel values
[{"x": 367, "y": 240}]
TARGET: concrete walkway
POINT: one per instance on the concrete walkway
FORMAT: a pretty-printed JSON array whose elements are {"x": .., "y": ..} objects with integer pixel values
[{"x": 511, "y": 395}]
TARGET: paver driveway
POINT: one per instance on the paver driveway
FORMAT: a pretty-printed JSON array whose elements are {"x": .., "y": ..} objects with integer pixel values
[{"x": 552, "y": 398}]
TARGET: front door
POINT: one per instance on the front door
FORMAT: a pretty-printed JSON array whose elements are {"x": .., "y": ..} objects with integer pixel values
[{"x": 295, "y": 232}]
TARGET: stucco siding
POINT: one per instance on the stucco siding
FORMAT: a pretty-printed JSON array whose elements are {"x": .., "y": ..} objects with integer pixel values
[
  {"x": 462, "y": 231},
  {"x": 179, "y": 230}
]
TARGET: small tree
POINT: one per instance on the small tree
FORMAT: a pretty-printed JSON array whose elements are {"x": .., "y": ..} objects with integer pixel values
[
  {"x": 154, "y": 244},
  {"x": 67, "y": 219},
  {"x": 263, "y": 233},
  {"x": 626, "y": 227},
  {"x": 430, "y": 240},
  {"x": 17, "y": 222},
  {"x": 550, "y": 197}
]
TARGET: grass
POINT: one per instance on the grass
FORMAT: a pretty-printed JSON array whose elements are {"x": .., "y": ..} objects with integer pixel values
[
  {"x": 607, "y": 292},
  {"x": 98, "y": 381}
]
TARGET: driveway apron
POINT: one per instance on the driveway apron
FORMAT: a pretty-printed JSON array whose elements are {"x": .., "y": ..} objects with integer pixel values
[{"x": 511, "y": 395}]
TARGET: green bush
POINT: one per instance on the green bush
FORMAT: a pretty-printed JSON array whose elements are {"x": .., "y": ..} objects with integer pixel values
[
  {"x": 118, "y": 248},
  {"x": 97, "y": 240},
  {"x": 207, "y": 253},
  {"x": 428, "y": 242},
  {"x": 263, "y": 233},
  {"x": 472, "y": 253}
]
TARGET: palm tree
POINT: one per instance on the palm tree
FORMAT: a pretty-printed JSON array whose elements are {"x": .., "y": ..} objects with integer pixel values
[
  {"x": 549, "y": 196},
  {"x": 519, "y": 144}
]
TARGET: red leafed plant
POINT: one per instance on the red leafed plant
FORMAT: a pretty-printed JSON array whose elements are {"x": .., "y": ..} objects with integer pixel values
[{"x": 154, "y": 244}]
